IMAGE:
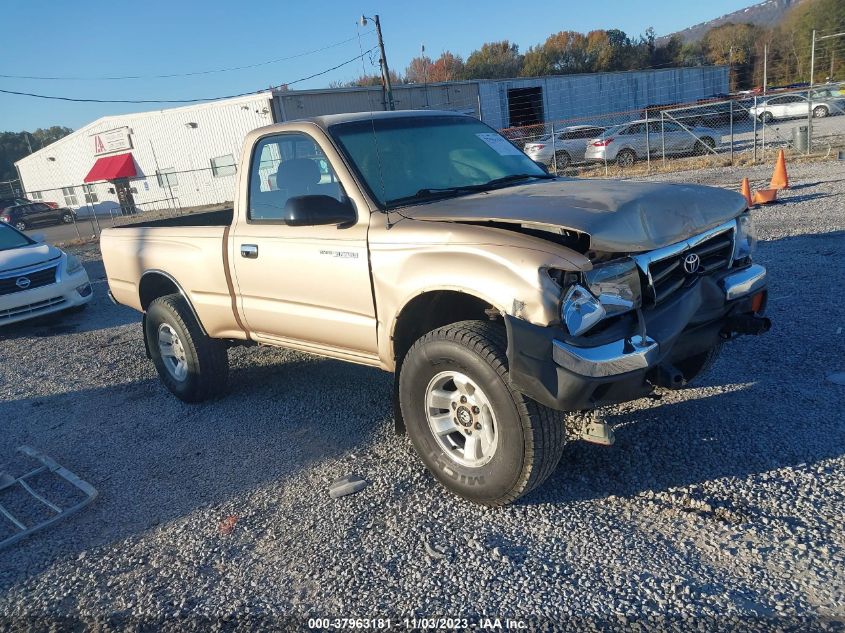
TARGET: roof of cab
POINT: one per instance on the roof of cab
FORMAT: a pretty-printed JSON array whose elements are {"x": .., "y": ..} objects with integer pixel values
[{"x": 328, "y": 120}]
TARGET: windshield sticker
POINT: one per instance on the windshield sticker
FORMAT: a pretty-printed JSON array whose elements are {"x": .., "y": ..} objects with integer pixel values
[{"x": 498, "y": 143}]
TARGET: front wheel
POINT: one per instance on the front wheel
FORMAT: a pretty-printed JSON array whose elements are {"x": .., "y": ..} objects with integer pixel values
[
  {"x": 696, "y": 366},
  {"x": 191, "y": 365},
  {"x": 479, "y": 437},
  {"x": 67, "y": 218},
  {"x": 704, "y": 146},
  {"x": 766, "y": 117},
  {"x": 820, "y": 112}
]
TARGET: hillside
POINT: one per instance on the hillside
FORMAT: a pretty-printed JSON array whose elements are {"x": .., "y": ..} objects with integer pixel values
[{"x": 767, "y": 13}]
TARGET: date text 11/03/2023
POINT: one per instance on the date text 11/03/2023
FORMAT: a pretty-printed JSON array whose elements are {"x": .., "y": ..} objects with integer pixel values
[{"x": 417, "y": 623}]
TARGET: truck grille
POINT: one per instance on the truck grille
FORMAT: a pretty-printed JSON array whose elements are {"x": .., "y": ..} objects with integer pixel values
[
  {"x": 37, "y": 279},
  {"x": 668, "y": 274}
]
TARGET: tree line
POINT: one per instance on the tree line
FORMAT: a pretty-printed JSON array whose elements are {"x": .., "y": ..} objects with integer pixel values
[
  {"x": 740, "y": 46},
  {"x": 16, "y": 145}
]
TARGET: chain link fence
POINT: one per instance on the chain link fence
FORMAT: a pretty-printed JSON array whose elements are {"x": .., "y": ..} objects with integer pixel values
[
  {"x": 672, "y": 137},
  {"x": 85, "y": 209}
]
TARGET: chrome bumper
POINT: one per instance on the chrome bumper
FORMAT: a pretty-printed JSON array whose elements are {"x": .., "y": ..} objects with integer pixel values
[
  {"x": 616, "y": 357},
  {"x": 626, "y": 355},
  {"x": 744, "y": 282}
]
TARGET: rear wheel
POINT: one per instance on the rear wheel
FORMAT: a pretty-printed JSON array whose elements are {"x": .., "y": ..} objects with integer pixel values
[
  {"x": 820, "y": 112},
  {"x": 564, "y": 160},
  {"x": 20, "y": 225},
  {"x": 191, "y": 365},
  {"x": 626, "y": 158},
  {"x": 480, "y": 438}
]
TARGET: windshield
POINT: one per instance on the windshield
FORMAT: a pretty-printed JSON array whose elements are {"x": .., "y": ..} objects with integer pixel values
[
  {"x": 10, "y": 238},
  {"x": 408, "y": 159}
]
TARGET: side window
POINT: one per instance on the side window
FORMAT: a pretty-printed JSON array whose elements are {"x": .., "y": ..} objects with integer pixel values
[
  {"x": 637, "y": 128},
  {"x": 285, "y": 166},
  {"x": 668, "y": 126}
]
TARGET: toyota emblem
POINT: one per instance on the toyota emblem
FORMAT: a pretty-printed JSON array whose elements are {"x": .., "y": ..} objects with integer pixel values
[
  {"x": 691, "y": 263},
  {"x": 22, "y": 282}
]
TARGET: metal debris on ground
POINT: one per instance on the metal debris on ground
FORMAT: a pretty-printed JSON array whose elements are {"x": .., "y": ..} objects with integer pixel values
[
  {"x": 346, "y": 486},
  {"x": 56, "y": 512}
]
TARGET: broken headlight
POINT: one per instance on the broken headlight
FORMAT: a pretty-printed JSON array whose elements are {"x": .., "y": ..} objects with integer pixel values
[
  {"x": 746, "y": 239},
  {"x": 608, "y": 289}
]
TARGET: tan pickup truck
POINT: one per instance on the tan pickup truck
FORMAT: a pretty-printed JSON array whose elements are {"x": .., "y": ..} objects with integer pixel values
[{"x": 427, "y": 245}]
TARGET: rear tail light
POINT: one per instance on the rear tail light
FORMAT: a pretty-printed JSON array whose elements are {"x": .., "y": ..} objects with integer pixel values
[
  {"x": 4, "y": 218},
  {"x": 602, "y": 142},
  {"x": 538, "y": 146}
]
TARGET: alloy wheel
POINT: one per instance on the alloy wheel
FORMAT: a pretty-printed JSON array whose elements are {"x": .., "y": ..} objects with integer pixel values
[
  {"x": 461, "y": 419},
  {"x": 172, "y": 352}
]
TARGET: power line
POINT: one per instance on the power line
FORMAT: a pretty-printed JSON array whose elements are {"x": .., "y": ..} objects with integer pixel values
[
  {"x": 188, "y": 74},
  {"x": 243, "y": 94}
]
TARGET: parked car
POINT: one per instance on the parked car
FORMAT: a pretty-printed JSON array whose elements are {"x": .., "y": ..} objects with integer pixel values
[
  {"x": 705, "y": 113},
  {"x": 793, "y": 106},
  {"x": 569, "y": 145},
  {"x": 500, "y": 296},
  {"x": 25, "y": 216},
  {"x": 38, "y": 279},
  {"x": 627, "y": 143},
  {"x": 12, "y": 201}
]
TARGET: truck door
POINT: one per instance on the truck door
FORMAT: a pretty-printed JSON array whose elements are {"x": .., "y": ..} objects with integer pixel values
[{"x": 309, "y": 284}]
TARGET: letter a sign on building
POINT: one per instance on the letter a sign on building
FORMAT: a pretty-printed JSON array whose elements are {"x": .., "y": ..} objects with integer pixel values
[{"x": 109, "y": 141}]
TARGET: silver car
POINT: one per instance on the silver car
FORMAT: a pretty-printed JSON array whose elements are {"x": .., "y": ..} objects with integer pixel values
[
  {"x": 570, "y": 145},
  {"x": 627, "y": 143},
  {"x": 793, "y": 106}
]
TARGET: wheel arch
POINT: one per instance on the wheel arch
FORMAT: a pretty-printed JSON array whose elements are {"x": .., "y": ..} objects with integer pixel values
[
  {"x": 435, "y": 308},
  {"x": 157, "y": 283}
]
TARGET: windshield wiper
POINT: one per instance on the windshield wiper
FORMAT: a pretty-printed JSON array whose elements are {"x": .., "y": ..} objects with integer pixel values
[{"x": 430, "y": 192}]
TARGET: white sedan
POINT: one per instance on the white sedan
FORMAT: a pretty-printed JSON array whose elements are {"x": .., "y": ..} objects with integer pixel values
[{"x": 38, "y": 279}]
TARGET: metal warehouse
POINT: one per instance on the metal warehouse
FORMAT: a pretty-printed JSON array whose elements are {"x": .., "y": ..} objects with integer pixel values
[{"x": 187, "y": 156}]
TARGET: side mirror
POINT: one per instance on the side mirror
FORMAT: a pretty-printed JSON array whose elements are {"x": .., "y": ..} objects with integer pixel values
[
  {"x": 317, "y": 211},
  {"x": 39, "y": 238}
]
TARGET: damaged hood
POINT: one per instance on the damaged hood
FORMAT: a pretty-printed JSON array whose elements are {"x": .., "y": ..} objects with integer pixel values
[{"x": 619, "y": 216}]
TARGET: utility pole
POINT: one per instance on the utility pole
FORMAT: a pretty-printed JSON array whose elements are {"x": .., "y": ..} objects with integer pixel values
[
  {"x": 810, "y": 96},
  {"x": 765, "y": 66},
  {"x": 385, "y": 71}
]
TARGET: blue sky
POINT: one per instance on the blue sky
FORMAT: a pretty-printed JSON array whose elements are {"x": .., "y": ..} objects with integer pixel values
[{"x": 107, "y": 38}]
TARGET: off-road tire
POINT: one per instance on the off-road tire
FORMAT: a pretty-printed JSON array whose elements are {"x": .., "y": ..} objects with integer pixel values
[
  {"x": 626, "y": 158},
  {"x": 820, "y": 112},
  {"x": 531, "y": 436},
  {"x": 696, "y": 366},
  {"x": 208, "y": 361}
]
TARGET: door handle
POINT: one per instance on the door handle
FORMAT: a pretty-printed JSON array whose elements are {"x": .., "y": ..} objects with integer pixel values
[{"x": 250, "y": 251}]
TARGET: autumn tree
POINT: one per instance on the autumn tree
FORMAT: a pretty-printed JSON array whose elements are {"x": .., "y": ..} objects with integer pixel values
[{"x": 494, "y": 60}]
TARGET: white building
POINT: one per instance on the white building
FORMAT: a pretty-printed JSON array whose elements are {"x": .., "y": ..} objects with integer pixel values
[{"x": 183, "y": 156}]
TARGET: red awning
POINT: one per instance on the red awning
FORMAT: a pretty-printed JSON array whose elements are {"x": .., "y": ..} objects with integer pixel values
[{"x": 112, "y": 168}]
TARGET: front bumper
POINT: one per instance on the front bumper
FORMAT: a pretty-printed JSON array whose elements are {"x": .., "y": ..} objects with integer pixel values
[
  {"x": 618, "y": 364},
  {"x": 69, "y": 291}
]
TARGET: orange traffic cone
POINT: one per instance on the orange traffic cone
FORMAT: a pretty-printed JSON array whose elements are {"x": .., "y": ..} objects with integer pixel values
[
  {"x": 746, "y": 191},
  {"x": 779, "y": 179},
  {"x": 765, "y": 196}
]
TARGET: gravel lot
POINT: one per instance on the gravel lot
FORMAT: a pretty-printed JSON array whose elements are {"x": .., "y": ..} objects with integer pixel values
[{"x": 721, "y": 503}]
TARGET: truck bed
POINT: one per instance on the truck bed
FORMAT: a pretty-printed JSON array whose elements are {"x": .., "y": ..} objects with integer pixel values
[{"x": 209, "y": 218}]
